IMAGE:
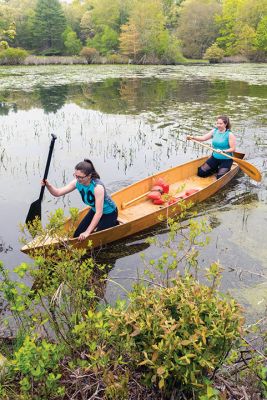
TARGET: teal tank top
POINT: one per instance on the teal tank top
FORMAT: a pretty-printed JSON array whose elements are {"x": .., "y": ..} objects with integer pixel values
[
  {"x": 220, "y": 141},
  {"x": 88, "y": 196}
]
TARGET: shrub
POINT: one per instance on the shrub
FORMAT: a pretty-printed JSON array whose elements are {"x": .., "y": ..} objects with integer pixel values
[
  {"x": 178, "y": 334},
  {"x": 214, "y": 54},
  {"x": 13, "y": 56},
  {"x": 117, "y": 59},
  {"x": 37, "y": 365},
  {"x": 90, "y": 54}
]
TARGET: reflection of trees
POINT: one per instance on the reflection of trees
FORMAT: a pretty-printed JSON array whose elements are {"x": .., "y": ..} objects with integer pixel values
[
  {"x": 131, "y": 95},
  {"x": 53, "y": 98},
  {"x": 6, "y": 107}
]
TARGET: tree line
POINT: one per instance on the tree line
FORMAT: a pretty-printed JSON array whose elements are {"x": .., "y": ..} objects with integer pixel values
[{"x": 155, "y": 31}]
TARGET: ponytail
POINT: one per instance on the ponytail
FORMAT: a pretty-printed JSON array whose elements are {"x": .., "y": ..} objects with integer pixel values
[{"x": 87, "y": 167}]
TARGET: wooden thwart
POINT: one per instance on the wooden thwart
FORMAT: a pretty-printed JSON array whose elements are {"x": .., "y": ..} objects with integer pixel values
[{"x": 125, "y": 204}]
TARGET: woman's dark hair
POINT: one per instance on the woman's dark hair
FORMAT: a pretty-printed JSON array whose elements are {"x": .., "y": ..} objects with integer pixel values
[
  {"x": 87, "y": 167},
  {"x": 226, "y": 121}
]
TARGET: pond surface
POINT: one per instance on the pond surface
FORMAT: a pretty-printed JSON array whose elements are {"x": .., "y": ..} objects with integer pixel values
[{"x": 132, "y": 121}]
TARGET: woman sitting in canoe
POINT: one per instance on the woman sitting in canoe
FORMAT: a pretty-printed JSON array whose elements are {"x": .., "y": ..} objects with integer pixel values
[
  {"x": 223, "y": 140},
  {"x": 103, "y": 212}
]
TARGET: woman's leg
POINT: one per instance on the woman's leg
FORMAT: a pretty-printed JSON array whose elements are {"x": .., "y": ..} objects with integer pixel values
[
  {"x": 224, "y": 167},
  {"x": 84, "y": 223},
  {"x": 208, "y": 168},
  {"x": 107, "y": 221}
]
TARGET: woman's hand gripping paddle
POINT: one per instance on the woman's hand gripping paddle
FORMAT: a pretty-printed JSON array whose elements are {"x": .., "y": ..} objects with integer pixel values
[{"x": 246, "y": 167}]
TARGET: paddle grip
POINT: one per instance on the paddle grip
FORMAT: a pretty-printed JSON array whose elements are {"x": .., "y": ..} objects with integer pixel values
[{"x": 48, "y": 164}]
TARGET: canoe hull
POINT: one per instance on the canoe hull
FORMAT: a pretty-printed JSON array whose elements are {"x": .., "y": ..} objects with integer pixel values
[{"x": 142, "y": 214}]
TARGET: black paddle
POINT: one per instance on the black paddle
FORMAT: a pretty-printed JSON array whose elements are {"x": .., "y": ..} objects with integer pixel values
[{"x": 35, "y": 208}]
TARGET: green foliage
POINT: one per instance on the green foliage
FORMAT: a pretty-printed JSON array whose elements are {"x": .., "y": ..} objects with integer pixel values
[
  {"x": 7, "y": 35},
  {"x": 104, "y": 41},
  {"x": 238, "y": 26},
  {"x": 12, "y": 56},
  {"x": 48, "y": 25},
  {"x": 178, "y": 333},
  {"x": 37, "y": 363},
  {"x": 214, "y": 54},
  {"x": 72, "y": 43},
  {"x": 261, "y": 35}
]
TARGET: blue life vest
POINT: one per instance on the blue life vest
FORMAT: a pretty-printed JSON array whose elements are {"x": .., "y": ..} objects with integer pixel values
[
  {"x": 220, "y": 141},
  {"x": 88, "y": 196}
]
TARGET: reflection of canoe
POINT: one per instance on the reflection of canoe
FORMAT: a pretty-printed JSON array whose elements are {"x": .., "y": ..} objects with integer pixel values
[{"x": 137, "y": 212}]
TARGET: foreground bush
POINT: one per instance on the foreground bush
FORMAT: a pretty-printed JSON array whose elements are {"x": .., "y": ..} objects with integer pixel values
[
  {"x": 166, "y": 342},
  {"x": 180, "y": 334},
  {"x": 13, "y": 56}
]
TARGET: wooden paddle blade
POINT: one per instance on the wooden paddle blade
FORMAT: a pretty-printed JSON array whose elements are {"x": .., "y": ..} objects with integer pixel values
[
  {"x": 249, "y": 169},
  {"x": 34, "y": 211}
]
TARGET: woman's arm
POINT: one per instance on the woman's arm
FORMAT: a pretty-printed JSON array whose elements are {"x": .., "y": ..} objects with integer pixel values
[
  {"x": 59, "y": 191},
  {"x": 232, "y": 144},
  {"x": 99, "y": 204},
  {"x": 203, "y": 138}
]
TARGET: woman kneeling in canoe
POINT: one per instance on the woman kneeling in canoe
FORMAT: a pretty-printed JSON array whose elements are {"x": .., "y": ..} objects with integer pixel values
[
  {"x": 103, "y": 212},
  {"x": 223, "y": 140}
]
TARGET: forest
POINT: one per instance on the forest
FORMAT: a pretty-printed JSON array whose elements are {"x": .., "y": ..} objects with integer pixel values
[{"x": 134, "y": 31}]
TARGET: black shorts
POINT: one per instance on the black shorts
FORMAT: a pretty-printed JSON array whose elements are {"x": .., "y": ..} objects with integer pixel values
[
  {"x": 219, "y": 165},
  {"x": 106, "y": 221},
  {"x": 216, "y": 163}
]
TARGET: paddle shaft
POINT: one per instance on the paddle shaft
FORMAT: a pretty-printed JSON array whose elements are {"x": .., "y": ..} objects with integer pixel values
[
  {"x": 248, "y": 168},
  {"x": 35, "y": 207},
  {"x": 47, "y": 165},
  {"x": 212, "y": 149}
]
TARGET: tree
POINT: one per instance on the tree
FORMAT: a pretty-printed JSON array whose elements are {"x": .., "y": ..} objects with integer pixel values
[
  {"x": 145, "y": 35},
  {"x": 72, "y": 43},
  {"x": 111, "y": 13},
  {"x": 48, "y": 27},
  {"x": 86, "y": 25},
  {"x": 238, "y": 25},
  {"x": 197, "y": 26},
  {"x": 105, "y": 41},
  {"x": 74, "y": 12},
  {"x": 261, "y": 35},
  {"x": 20, "y": 12},
  {"x": 245, "y": 42},
  {"x": 130, "y": 40}
]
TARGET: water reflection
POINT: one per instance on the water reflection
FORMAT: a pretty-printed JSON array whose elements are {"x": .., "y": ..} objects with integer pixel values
[
  {"x": 6, "y": 107},
  {"x": 132, "y": 95},
  {"x": 53, "y": 98}
]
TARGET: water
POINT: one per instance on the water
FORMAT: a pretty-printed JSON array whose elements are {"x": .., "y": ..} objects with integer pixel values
[{"x": 132, "y": 121}]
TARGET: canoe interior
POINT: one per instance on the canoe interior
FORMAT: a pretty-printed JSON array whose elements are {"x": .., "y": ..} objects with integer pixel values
[{"x": 142, "y": 213}]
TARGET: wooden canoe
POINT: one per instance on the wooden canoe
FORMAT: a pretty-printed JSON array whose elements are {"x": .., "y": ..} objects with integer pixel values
[{"x": 137, "y": 212}]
